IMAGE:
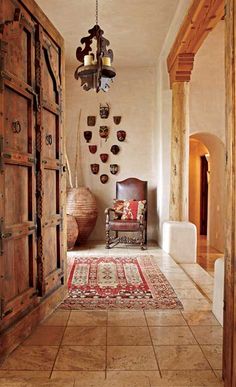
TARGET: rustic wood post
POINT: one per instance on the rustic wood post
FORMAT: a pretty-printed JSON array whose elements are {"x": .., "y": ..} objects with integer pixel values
[
  {"x": 179, "y": 152},
  {"x": 229, "y": 355}
]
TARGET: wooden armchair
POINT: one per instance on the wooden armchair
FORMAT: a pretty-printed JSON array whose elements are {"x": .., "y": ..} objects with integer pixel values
[{"x": 129, "y": 189}]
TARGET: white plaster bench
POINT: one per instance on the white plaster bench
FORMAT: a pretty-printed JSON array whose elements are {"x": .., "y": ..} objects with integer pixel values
[
  {"x": 218, "y": 292},
  {"x": 180, "y": 241}
]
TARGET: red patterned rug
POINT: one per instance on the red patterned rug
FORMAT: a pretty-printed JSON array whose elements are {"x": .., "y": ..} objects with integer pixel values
[{"x": 118, "y": 283}]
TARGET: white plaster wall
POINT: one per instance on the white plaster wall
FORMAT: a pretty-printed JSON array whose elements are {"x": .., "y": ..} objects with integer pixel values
[{"x": 133, "y": 96}]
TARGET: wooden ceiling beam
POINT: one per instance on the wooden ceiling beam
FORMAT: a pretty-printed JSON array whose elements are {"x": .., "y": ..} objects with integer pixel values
[{"x": 202, "y": 17}]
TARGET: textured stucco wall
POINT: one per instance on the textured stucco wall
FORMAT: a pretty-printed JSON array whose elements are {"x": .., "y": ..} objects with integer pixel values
[{"x": 133, "y": 96}]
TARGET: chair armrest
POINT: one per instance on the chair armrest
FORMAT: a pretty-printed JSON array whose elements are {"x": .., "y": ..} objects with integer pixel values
[
  {"x": 108, "y": 212},
  {"x": 142, "y": 217}
]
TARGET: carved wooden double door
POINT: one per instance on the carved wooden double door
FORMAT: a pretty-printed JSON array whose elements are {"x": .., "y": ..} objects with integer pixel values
[{"x": 31, "y": 255}]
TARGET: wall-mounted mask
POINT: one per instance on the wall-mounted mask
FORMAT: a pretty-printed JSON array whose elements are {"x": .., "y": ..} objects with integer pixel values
[
  {"x": 104, "y": 132},
  {"x": 104, "y": 178},
  {"x": 104, "y": 157},
  {"x": 117, "y": 119},
  {"x": 115, "y": 149},
  {"x": 121, "y": 135},
  {"x": 94, "y": 168},
  {"x": 114, "y": 169},
  {"x": 104, "y": 111},
  {"x": 93, "y": 148},
  {"x": 91, "y": 120},
  {"x": 87, "y": 135}
]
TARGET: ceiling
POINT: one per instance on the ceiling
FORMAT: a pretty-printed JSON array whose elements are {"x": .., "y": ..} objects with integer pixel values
[{"x": 136, "y": 29}]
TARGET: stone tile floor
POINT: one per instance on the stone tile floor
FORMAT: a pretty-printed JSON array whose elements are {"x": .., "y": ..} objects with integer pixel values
[{"x": 123, "y": 348}]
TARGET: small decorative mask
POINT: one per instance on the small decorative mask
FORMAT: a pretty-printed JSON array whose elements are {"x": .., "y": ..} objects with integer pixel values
[
  {"x": 94, "y": 168},
  {"x": 121, "y": 135},
  {"x": 104, "y": 132},
  {"x": 104, "y": 111},
  {"x": 87, "y": 135},
  {"x": 115, "y": 149},
  {"x": 114, "y": 168},
  {"x": 93, "y": 148},
  {"x": 104, "y": 178},
  {"x": 117, "y": 119},
  {"x": 91, "y": 120},
  {"x": 104, "y": 157}
]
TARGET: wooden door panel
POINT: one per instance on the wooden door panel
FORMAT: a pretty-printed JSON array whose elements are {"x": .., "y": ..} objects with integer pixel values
[
  {"x": 50, "y": 192},
  {"x": 50, "y": 245},
  {"x": 17, "y": 121},
  {"x": 17, "y": 200}
]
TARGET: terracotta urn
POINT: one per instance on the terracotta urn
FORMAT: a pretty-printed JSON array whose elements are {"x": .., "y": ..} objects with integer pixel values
[
  {"x": 72, "y": 231},
  {"x": 115, "y": 149},
  {"x": 93, "y": 148},
  {"x": 87, "y": 135},
  {"x": 94, "y": 168},
  {"x": 121, "y": 135},
  {"x": 82, "y": 205},
  {"x": 104, "y": 157},
  {"x": 104, "y": 178}
]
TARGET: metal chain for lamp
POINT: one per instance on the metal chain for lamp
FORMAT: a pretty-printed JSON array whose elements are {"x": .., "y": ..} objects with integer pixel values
[{"x": 96, "y": 12}]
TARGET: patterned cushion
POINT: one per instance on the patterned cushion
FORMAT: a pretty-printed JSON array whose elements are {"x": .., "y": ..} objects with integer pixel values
[
  {"x": 133, "y": 209},
  {"x": 118, "y": 206}
]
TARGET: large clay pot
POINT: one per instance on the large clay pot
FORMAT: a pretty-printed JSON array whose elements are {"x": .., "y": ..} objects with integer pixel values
[
  {"x": 82, "y": 205},
  {"x": 72, "y": 231}
]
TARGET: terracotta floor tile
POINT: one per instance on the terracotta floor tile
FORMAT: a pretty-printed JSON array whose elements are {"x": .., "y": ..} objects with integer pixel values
[
  {"x": 81, "y": 358},
  {"x": 131, "y": 358},
  {"x": 45, "y": 335},
  {"x": 172, "y": 336},
  {"x": 130, "y": 376},
  {"x": 31, "y": 358},
  {"x": 128, "y": 336},
  {"x": 188, "y": 378},
  {"x": 164, "y": 318},
  {"x": 88, "y": 318},
  {"x": 208, "y": 335},
  {"x": 181, "y": 357},
  {"x": 200, "y": 318},
  {"x": 126, "y": 318},
  {"x": 58, "y": 318},
  {"x": 91, "y": 376},
  {"x": 84, "y": 336},
  {"x": 213, "y": 354},
  {"x": 24, "y": 374}
]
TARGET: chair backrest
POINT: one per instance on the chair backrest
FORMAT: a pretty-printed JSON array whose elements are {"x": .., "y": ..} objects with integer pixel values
[{"x": 131, "y": 188}]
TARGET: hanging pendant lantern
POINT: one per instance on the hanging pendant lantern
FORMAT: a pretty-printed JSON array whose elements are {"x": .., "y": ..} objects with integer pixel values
[{"x": 96, "y": 71}]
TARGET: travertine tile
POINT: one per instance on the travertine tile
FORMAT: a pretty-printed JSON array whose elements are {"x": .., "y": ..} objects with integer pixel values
[
  {"x": 188, "y": 378},
  {"x": 181, "y": 357},
  {"x": 164, "y": 318},
  {"x": 36, "y": 382},
  {"x": 84, "y": 336},
  {"x": 173, "y": 336},
  {"x": 208, "y": 335},
  {"x": 45, "y": 335},
  {"x": 90, "y": 376},
  {"x": 131, "y": 358},
  {"x": 213, "y": 354},
  {"x": 200, "y": 318},
  {"x": 24, "y": 374},
  {"x": 193, "y": 305},
  {"x": 81, "y": 358},
  {"x": 31, "y": 358},
  {"x": 57, "y": 318},
  {"x": 126, "y": 318},
  {"x": 88, "y": 318},
  {"x": 130, "y": 376},
  {"x": 189, "y": 293},
  {"x": 128, "y": 336}
]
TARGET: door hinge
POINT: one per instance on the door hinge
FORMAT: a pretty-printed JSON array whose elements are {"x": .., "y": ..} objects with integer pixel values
[{"x": 3, "y": 235}]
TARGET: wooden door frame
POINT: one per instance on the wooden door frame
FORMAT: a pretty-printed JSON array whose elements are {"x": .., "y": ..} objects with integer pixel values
[
  {"x": 203, "y": 186},
  {"x": 201, "y": 18}
]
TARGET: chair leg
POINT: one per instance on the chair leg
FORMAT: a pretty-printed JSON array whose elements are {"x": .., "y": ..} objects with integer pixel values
[{"x": 107, "y": 239}]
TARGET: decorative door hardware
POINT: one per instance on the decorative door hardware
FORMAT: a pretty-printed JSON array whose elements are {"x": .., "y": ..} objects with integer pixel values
[
  {"x": 16, "y": 126},
  {"x": 48, "y": 139}
]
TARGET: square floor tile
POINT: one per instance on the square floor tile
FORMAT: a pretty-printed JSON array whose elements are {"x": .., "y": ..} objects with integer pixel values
[
  {"x": 91, "y": 376},
  {"x": 193, "y": 305},
  {"x": 126, "y": 318},
  {"x": 164, "y": 318},
  {"x": 81, "y": 358},
  {"x": 208, "y": 334},
  {"x": 88, "y": 318},
  {"x": 213, "y": 354},
  {"x": 58, "y": 318},
  {"x": 134, "y": 376},
  {"x": 131, "y": 358},
  {"x": 31, "y": 358},
  {"x": 128, "y": 336},
  {"x": 188, "y": 378},
  {"x": 200, "y": 318},
  {"x": 26, "y": 375},
  {"x": 181, "y": 357},
  {"x": 45, "y": 335},
  {"x": 172, "y": 336},
  {"x": 84, "y": 336}
]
